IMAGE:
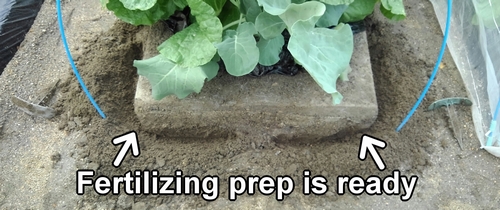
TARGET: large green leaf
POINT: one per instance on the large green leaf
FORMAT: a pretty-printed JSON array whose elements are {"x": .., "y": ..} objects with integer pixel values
[
  {"x": 239, "y": 50},
  {"x": 162, "y": 8},
  {"x": 194, "y": 46},
  {"x": 252, "y": 14},
  {"x": 393, "y": 9},
  {"x": 269, "y": 26},
  {"x": 358, "y": 10},
  {"x": 325, "y": 53},
  {"x": 189, "y": 47},
  {"x": 207, "y": 19},
  {"x": 274, "y": 7},
  {"x": 167, "y": 78},
  {"x": 337, "y": 2},
  {"x": 270, "y": 50},
  {"x": 138, "y": 4},
  {"x": 308, "y": 12},
  {"x": 332, "y": 15},
  {"x": 217, "y": 5}
]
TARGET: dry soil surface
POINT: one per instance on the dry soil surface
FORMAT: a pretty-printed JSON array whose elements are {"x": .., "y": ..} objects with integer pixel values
[{"x": 39, "y": 158}]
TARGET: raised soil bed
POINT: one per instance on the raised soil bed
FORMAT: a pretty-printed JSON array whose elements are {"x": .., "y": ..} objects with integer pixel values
[{"x": 282, "y": 106}]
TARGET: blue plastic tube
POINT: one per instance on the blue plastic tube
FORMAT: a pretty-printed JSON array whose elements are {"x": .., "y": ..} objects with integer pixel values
[
  {"x": 434, "y": 72},
  {"x": 70, "y": 58}
]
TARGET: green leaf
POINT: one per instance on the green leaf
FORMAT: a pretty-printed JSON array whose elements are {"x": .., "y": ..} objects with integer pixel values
[
  {"x": 239, "y": 50},
  {"x": 194, "y": 46},
  {"x": 337, "y": 2},
  {"x": 207, "y": 19},
  {"x": 358, "y": 10},
  {"x": 138, "y": 4},
  {"x": 344, "y": 76},
  {"x": 245, "y": 5},
  {"x": 229, "y": 34},
  {"x": 252, "y": 14},
  {"x": 180, "y": 3},
  {"x": 269, "y": 26},
  {"x": 229, "y": 14},
  {"x": 270, "y": 50},
  {"x": 189, "y": 47},
  {"x": 489, "y": 14},
  {"x": 251, "y": 9},
  {"x": 332, "y": 15},
  {"x": 167, "y": 78},
  {"x": 325, "y": 54},
  {"x": 309, "y": 12},
  {"x": 161, "y": 9},
  {"x": 275, "y": 7},
  {"x": 217, "y": 5},
  {"x": 393, "y": 9}
]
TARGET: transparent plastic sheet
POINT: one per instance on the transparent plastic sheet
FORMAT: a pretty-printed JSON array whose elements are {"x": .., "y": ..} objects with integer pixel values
[
  {"x": 16, "y": 18},
  {"x": 474, "y": 44}
]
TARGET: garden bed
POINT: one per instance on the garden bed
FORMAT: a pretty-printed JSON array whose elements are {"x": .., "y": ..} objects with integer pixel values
[
  {"x": 282, "y": 106},
  {"x": 39, "y": 162}
]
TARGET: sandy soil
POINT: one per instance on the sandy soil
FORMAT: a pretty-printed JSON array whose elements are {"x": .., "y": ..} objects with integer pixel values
[{"x": 39, "y": 158}]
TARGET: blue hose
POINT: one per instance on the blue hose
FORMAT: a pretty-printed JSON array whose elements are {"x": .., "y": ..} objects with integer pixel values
[
  {"x": 493, "y": 125},
  {"x": 434, "y": 72},
  {"x": 70, "y": 58}
]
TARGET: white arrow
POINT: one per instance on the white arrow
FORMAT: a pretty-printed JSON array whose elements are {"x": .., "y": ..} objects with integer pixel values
[
  {"x": 129, "y": 141},
  {"x": 369, "y": 143}
]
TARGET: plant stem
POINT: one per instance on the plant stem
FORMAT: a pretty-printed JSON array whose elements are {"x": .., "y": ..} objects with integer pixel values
[{"x": 236, "y": 22}]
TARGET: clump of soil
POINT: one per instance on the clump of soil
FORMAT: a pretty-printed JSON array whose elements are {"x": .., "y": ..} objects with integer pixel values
[{"x": 105, "y": 63}]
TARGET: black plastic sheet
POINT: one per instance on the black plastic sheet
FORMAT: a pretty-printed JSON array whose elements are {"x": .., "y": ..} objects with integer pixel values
[{"x": 16, "y": 18}]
